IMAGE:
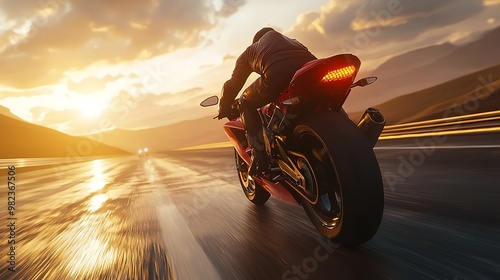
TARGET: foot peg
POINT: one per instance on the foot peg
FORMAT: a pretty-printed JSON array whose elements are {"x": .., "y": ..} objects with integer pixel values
[
  {"x": 276, "y": 175},
  {"x": 275, "y": 170},
  {"x": 277, "y": 178}
]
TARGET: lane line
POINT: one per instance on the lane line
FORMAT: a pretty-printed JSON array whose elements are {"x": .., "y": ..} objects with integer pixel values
[{"x": 187, "y": 258}]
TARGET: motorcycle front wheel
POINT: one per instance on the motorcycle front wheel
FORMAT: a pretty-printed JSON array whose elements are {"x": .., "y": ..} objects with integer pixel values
[
  {"x": 342, "y": 167},
  {"x": 253, "y": 190}
]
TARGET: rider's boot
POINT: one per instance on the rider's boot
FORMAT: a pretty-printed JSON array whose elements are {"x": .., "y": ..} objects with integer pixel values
[{"x": 260, "y": 159}]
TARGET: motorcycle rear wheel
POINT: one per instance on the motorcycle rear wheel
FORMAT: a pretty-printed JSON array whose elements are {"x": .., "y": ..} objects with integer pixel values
[
  {"x": 345, "y": 170},
  {"x": 253, "y": 190}
]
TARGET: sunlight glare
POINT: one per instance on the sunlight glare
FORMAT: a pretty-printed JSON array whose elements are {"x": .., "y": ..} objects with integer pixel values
[
  {"x": 90, "y": 111},
  {"x": 491, "y": 2},
  {"x": 97, "y": 201},
  {"x": 99, "y": 180}
]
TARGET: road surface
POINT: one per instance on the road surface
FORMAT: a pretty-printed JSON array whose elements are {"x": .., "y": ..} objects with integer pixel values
[{"x": 182, "y": 215}]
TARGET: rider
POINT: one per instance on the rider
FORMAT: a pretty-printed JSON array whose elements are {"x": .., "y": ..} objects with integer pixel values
[{"x": 276, "y": 58}]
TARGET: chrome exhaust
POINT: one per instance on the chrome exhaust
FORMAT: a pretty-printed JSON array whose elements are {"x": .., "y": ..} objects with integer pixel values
[{"x": 371, "y": 124}]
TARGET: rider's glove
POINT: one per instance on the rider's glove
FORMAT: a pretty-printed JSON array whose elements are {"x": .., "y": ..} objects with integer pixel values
[{"x": 224, "y": 108}]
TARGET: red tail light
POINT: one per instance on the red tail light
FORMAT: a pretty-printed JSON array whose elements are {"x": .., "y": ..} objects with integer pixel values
[{"x": 339, "y": 74}]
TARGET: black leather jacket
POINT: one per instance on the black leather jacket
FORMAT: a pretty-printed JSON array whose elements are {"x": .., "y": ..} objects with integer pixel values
[{"x": 273, "y": 47}]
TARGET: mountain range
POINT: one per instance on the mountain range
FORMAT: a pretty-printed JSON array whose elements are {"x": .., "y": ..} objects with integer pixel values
[
  {"x": 21, "y": 139},
  {"x": 186, "y": 133},
  {"x": 473, "y": 93},
  {"x": 426, "y": 67}
]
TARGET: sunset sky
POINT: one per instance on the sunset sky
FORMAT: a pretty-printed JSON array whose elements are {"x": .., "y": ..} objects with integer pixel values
[{"x": 83, "y": 66}]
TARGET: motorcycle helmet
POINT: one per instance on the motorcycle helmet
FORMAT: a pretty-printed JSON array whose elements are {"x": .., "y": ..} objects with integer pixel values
[{"x": 261, "y": 33}]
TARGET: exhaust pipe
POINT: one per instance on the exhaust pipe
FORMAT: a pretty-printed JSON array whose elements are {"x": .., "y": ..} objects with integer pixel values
[{"x": 371, "y": 124}]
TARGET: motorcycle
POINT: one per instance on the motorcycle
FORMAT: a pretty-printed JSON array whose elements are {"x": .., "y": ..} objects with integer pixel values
[{"x": 319, "y": 158}]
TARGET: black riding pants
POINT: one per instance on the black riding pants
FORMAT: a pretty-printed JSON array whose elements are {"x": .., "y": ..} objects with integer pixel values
[{"x": 266, "y": 89}]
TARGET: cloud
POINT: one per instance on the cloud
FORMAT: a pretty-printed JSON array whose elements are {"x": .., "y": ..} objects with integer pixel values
[
  {"x": 131, "y": 111},
  {"x": 52, "y": 36},
  {"x": 92, "y": 84},
  {"x": 126, "y": 110},
  {"x": 353, "y": 26},
  {"x": 171, "y": 113},
  {"x": 27, "y": 93},
  {"x": 229, "y": 57},
  {"x": 51, "y": 118}
]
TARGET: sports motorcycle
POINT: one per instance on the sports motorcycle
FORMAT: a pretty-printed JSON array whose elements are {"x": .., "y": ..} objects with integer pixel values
[{"x": 319, "y": 158}]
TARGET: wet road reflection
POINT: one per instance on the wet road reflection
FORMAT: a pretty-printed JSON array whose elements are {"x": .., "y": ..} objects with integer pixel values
[
  {"x": 98, "y": 180},
  {"x": 84, "y": 225},
  {"x": 183, "y": 216}
]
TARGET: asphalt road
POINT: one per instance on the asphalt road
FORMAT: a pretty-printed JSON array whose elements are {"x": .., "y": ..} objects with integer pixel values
[{"x": 183, "y": 216}]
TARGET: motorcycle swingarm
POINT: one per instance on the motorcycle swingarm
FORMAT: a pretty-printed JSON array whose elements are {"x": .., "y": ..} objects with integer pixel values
[{"x": 295, "y": 178}]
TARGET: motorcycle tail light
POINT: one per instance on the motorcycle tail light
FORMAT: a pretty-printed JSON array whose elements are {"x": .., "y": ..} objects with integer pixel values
[{"x": 339, "y": 74}]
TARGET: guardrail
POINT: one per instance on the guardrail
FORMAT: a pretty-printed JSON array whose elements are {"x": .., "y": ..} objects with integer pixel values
[{"x": 467, "y": 124}]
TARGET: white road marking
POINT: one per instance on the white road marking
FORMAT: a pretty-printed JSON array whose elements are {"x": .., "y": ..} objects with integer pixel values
[
  {"x": 187, "y": 258},
  {"x": 185, "y": 255}
]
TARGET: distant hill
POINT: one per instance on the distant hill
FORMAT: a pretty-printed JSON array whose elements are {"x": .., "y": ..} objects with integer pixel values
[
  {"x": 22, "y": 139},
  {"x": 170, "y": 137},
  {"x": 413, "y": 59},
  {"x": 399, "y": 76},
  {"x": 473, "y": 93},
  {"x": 6, "y": 112}
]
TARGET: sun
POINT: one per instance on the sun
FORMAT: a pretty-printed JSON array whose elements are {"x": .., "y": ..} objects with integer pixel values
[{"x": 90, "y": 111}]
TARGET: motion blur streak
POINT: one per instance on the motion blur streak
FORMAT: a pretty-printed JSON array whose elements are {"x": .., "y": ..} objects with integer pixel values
[
  {"x": 487, "y": 122},
  {"x": 441, "y": 133},
  {"x": 455, "y": 118},
  {"x": 462, "y": 122}
]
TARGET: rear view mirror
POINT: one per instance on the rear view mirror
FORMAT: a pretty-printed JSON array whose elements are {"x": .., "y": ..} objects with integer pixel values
[
  {"x": 211, "y": 101},
  {"x": 364, "y": 82}
]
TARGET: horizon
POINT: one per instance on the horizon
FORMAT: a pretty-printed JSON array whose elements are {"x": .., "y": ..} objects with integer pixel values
[{"x": 144, "y": 70}]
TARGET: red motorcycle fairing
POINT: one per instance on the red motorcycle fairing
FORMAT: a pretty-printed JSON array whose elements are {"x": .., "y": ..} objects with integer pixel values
[
  {"x": 278, "y": 190},
  {"x": 235, "y": 131},
  {"x": 308, "y": 80}
]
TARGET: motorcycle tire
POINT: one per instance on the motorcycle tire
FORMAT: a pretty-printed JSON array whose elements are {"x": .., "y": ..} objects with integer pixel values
[
  {"x": 342, "y": 167},
  {"x": 253, "y": 190}
]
